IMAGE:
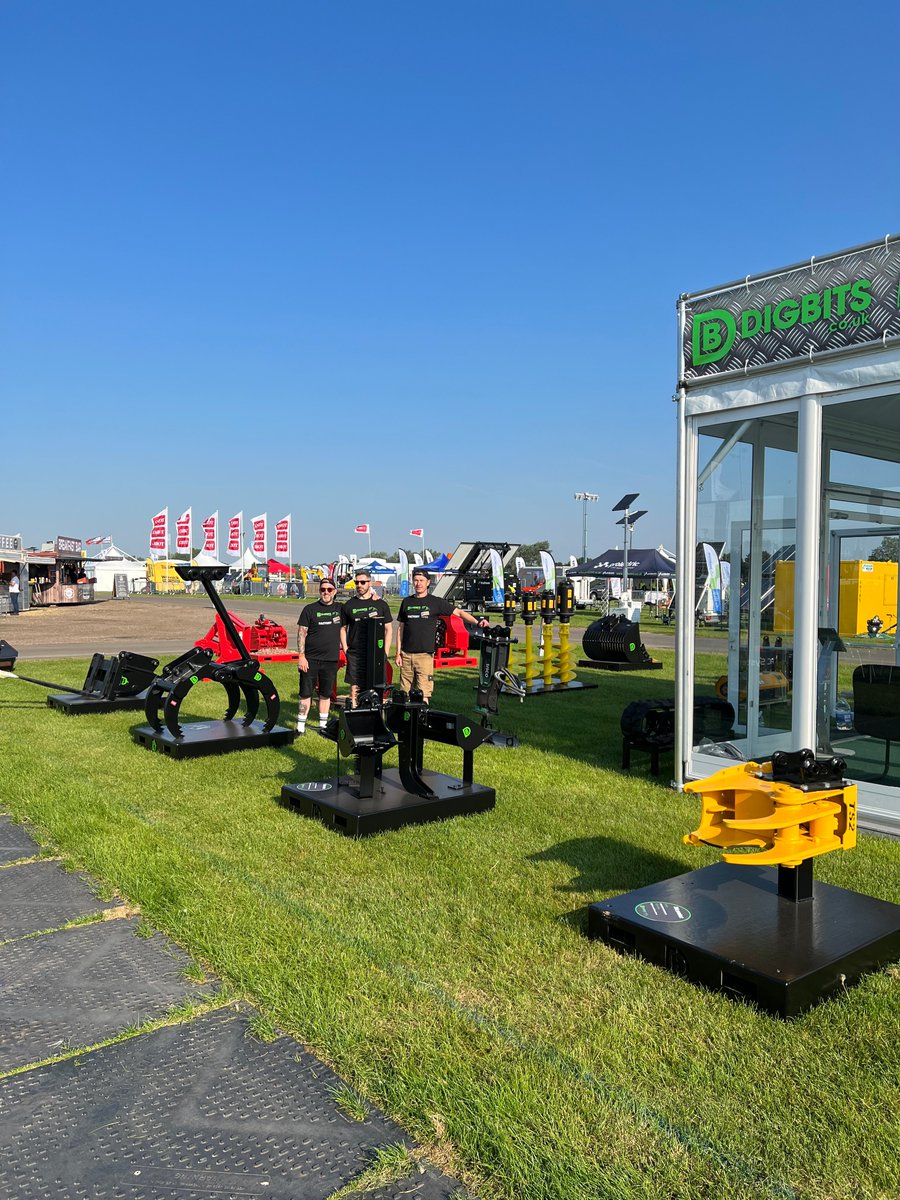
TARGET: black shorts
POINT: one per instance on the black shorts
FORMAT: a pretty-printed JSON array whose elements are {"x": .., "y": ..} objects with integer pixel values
[
  {"x": 323, "y": 673},
  {"x": 355, "y": 673}
]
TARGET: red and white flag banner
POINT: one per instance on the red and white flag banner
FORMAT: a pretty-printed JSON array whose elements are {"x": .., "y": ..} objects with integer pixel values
[
  {"x": 211, "y": 534},
  {"x": 362, "y": 529},
  {"x": 97, "y": 541},
  {"x": 283, "y": 536},
  {"x": 416, "y": 533},
  {"x": 183, "y": 532},
  {"x": 234, "y": 533},
  {"x": 159, "y": 530},
  {"x": 259, "y": 534}
]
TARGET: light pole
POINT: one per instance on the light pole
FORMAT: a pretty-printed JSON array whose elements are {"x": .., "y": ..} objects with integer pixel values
[
  {"x": 628, "y": 520},
  {"x": 585, "y": 498}
]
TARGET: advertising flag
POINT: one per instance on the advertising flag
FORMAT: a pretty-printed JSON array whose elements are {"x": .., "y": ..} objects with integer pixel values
[
  {"x": 159, "y": 531},
  {"x": 416, "y": 533},
  {"x": 714, "y": 578},
  {"x": 520, "y": 564},
  {"x": 496, "y": 577},
  {"x": 211, "y": 535},
  {"x": 98, "y": 540},
  {"x": 235, "y": 533},
  {"x": 361, "y": 529},
  {"x": 403, "y": 558},
  {"x": 283, "y": 536},
  {"x": 183, "y": 532},
  {"x": 548, "y": 566},
  {"x": 260, "y": 538}
]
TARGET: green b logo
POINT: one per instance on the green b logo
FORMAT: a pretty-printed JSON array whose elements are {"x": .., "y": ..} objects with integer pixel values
[
  {"x": 194, "y": 679},
  {"x": 712, "y": 335},
  {"x": 467, "y": 729}
]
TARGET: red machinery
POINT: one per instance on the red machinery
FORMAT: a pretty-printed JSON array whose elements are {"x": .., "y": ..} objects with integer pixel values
[
  {"x": 453, "y": 644},
  {"x": 264, "y": 639}
]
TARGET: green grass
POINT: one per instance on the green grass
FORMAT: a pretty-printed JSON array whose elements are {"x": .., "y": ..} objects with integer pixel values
[{"x": 443, "y": 970}]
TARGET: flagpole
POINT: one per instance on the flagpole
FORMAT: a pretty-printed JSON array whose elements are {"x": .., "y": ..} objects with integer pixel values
[
  {"x": 423, "y": 545},
  {"x": 369, "y": 536}
]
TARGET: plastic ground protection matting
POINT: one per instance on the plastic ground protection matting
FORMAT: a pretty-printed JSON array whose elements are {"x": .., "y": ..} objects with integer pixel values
[
  {"x": 83, "y": 985},
  {"x": 15, "y": 842},
  {"x": 201, "y": 1109},
  {"x": 42, "y": 895}
]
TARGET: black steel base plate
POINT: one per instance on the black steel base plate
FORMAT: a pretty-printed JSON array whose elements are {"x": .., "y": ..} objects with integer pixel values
[
  {"x": 75, "y": 706},
  {"x": 599, "y": 665},
  {"x": 336, "y": 802},
  {"x": 726, "y": 927},
  {"x": 212, "y": 737}
]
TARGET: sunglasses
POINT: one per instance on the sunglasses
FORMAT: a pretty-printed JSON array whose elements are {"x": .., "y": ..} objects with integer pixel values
[
  {"x": 360, "y": 582},
  {"x": 326, "y": 589}
]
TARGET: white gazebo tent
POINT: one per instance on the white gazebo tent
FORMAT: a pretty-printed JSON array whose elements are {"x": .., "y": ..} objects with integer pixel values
[
  {"x": 789, "y": 455},
  {"x": 113, "y": 561}
]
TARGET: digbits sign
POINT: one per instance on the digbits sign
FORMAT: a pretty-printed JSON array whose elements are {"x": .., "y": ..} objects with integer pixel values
[{"x": 828, "y": 304}]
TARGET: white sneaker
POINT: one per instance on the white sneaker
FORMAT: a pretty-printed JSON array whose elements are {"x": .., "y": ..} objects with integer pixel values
[{"x": 301, "y": 726}]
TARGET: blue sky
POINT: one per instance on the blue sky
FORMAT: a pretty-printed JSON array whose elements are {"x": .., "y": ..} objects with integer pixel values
[{"x": 411, "y": 264}]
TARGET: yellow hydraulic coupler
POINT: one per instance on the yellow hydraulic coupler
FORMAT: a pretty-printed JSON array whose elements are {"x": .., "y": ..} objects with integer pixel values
[{"x": 789, "y": 821}]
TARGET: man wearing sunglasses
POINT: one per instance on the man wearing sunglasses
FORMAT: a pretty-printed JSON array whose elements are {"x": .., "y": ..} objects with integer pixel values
[
  {"x": 319, "y": 644},
  {"x": 363, "y": 607}
]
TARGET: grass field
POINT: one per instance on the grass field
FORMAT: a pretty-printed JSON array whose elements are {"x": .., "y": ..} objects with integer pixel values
[{"x": 444, "y": 972}]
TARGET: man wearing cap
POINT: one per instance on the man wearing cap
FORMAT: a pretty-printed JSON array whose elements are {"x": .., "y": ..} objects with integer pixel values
[
  {"x": 319, "y": 644},
  {"x": 416, "y": 630},
  {"x": 363, "y": 607}
]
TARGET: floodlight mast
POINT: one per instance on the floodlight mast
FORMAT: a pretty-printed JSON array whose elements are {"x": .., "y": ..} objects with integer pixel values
[
  {"x": 628, "y": 520},
  {"x": 585, "y": 498}
]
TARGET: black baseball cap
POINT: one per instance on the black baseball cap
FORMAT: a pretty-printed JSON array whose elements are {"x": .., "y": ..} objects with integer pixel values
[{"x": 421, "y": 571}]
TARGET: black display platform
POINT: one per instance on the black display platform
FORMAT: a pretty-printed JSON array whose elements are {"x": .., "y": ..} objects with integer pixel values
[
  {"x": 598, "y": 665},
  {"x": 336, "y": 804},
  {"x": 726, "y": 927},
  {"x": 212, "y": 737},
  {"x": 74, "y": 705}
]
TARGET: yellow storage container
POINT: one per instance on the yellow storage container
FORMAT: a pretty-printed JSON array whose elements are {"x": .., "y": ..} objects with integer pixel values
[{"x": 867, "y": 589}]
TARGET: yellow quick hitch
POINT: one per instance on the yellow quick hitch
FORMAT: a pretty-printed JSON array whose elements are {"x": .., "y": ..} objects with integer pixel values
[{"x": 788, "y": 822}]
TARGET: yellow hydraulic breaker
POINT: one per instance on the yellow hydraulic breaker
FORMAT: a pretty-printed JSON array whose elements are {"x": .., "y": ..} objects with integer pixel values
[{"x": 792, "y": 808}]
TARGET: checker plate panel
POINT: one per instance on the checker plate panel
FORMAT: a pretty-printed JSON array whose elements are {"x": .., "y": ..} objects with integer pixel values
[{"x": 79, "y": 986}]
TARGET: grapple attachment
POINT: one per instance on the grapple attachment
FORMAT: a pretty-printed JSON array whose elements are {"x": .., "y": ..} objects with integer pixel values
[{"x": 787, "y": 820}]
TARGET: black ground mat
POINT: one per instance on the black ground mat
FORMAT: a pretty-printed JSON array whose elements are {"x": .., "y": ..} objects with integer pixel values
[
  {"x": 80, "y": 986},
  {"x": 42, "y": 895},
  {"x": 428, "y": 1184},
  {"x": 14, "y": 842},
  {"x": 201, "y": 1110}
]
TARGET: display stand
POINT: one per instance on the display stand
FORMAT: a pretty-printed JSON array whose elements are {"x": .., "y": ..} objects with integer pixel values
[
  {"x": 756, "y": 926},
  {"x": 242, "y": 680}
]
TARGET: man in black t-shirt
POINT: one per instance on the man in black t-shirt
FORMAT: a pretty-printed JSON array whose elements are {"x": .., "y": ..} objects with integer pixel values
[
  {"x": 360, "y": 609},
  {"x": 416, "y": 629},
  {"x": 319, "y": 644}
]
